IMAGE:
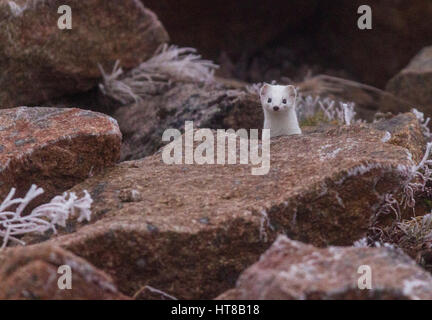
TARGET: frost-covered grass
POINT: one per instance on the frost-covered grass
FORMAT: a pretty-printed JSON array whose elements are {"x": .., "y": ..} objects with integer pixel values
[
  {"x": 17, "y": 10},
  {"x": 342, "y": 112},
  {"x": 13, "y": 221},
  {"x": 161, "y": 293},
  {"x": 424, "y": 123},
  {"x": 417, "y": 229},
  {"x": 316, "y": 109},
  {"x": 168, "y": 64},
  {"x": 410, "y": 235},
  {"x": 417, "y": 183}
]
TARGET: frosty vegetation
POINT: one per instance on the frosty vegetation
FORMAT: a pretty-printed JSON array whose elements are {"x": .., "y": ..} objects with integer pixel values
[
  {"x": 416, "y": 230},
  {"x": 342, "y": 112},
  {"x": 162, "y": 294},
  {"x": 13, "y": 221},
  {"x": 416, "y": 184},
  {"x": 17, "y": 10},
  {"x": 416, "y": 178},
  {"x": 169, "y": 63},
  {"x": 308, "y": 107},
  {"x": 424, "y": 123}
]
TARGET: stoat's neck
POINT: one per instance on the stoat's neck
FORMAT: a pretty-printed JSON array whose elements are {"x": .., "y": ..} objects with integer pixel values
[{"x": 281, "y": 123}]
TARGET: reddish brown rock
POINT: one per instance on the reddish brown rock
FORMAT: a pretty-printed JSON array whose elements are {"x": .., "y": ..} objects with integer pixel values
[
  {"x": 33, "y": 273},
  {"x": 414, "y": 82},
  {"x": 189, "y": 230},
  {"x": 404, "y": 131},
  {"x": 54, "y": 148},
  {"x": 294, "y": 270},
  {"x": 40, "y": 62}
]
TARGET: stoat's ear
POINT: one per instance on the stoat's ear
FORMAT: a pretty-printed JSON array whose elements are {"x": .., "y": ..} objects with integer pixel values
[
  {"x": 292, "y": 93},
  {"x": 264, "y": 89}
]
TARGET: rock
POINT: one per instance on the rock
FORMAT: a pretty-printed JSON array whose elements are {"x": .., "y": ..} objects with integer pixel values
[
  {"x": 54, "y": 148},
  {"x": 213, "y": 105},
  {"x": 225, "y": 104},
  {"x": 33, "y": 273},
  {"x": 214, "y": 220},
  {"x": 414, "y": 82},
  {"x": 294, "y": 270},
  {"x": 40, "y": 62},
  {"x": 399, "y": 30},
  {"x": 404, "y": 131}
]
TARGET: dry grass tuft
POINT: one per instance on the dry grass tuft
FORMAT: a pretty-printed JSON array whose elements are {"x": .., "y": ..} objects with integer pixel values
[{"x": 169, "y": 64}]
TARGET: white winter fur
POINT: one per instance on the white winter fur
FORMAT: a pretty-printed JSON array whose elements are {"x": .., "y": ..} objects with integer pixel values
[{"x": 278, "y": 103}]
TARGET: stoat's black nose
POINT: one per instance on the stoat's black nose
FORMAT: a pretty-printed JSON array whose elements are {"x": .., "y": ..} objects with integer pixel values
[{"x": 275, "y": 108}]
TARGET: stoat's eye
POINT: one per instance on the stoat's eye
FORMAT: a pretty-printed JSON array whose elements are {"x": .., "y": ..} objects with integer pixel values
[
  {"x": 269, "y": 100},
  {"x": 284, "y": 101}
]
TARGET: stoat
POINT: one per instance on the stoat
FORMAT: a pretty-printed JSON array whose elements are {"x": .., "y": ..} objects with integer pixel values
[{"x": 278, "y": 103}]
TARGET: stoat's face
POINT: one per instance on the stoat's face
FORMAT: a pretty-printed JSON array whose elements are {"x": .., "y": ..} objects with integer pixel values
[{"x": 275, "y": 98}]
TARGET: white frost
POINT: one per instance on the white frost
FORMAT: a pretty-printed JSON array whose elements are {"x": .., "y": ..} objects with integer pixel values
[{"x": 43, "y": 217}]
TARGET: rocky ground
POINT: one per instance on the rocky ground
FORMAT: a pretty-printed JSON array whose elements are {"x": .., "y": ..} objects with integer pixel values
[{"x": 348, "y": 192}]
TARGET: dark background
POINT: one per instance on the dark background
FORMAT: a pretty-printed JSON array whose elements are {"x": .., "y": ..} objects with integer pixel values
[{"x": 264, "y": 40}]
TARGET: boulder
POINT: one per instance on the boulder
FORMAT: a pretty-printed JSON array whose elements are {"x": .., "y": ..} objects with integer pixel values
[
  {"x": 294, "y": 270},
  {"x": 189, "y": 230},
  {"x": 35, "y": 273},
  {"x": 404, "y": 131},
  {"x": 414, "y": 82},
  {"x": 39, "y": 61},
  {"x": 54, "y": 148},
  {"x": 399, "y": 30},
  {"x": 212, "y": 105}
]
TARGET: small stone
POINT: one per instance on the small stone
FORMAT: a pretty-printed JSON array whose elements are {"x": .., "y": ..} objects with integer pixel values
[
  {"x": 130, "y": 195},
  {"x": 204, "y": 220},
  {"x": 152, "y": 228},
  {"x": 141, "y": 263}
]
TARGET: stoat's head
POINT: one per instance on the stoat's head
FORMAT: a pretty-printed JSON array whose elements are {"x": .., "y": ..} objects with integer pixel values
[{"x": 275, "y": 98}]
